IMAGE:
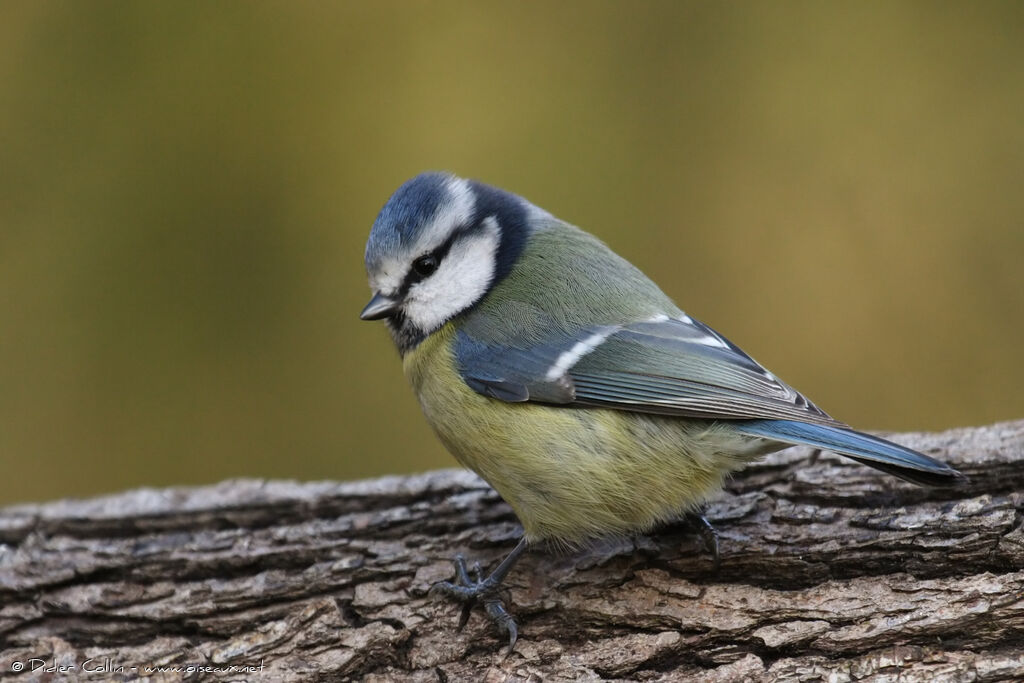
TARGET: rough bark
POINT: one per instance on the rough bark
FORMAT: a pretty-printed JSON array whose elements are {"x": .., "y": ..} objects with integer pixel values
[{"x": 830, "y": 571}]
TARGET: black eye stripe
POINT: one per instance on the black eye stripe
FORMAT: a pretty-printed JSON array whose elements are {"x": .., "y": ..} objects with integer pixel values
[{"x": 438, "y": 254}]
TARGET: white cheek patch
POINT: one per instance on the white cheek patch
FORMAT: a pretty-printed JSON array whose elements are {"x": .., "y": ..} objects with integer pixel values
[{"x": 461, "y": 280}]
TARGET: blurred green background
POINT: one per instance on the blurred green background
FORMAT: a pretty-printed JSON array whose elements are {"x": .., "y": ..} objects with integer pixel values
[{"x": 186, "y": 188}]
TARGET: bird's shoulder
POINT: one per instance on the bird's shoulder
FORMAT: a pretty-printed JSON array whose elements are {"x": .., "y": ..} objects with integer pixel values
[{"x": 564, "y": 281}]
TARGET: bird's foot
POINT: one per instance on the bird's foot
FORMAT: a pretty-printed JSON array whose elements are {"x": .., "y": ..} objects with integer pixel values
[{"x": 470, "y": 591}]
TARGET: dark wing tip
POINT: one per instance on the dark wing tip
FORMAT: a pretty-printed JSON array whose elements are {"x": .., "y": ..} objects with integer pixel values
[{"x": 945, "y": 477}]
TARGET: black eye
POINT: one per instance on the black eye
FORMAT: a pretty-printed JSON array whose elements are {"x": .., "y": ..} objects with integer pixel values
[{"x": 425, "y": 266}]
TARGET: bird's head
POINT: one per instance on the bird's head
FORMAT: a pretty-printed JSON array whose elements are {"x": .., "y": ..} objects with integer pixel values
[{"x": 437, "y": 248}]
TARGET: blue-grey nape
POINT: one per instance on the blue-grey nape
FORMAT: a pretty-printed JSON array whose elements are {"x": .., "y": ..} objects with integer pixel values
[{"x": 512, "y": 214}]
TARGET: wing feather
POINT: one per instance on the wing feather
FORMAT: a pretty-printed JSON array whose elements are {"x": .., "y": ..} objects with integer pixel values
[{"x": 667, "y": 366}]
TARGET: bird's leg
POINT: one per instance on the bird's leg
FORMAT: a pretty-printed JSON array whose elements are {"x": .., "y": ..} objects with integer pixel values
[
  {"x": 708, "y": 535},
  {"x": 696, "y": 521},
  {"x": 485, "y": 590}
]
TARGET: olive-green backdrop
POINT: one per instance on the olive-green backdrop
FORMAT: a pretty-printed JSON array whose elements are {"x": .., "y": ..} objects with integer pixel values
[{"x": 186, "y": 188}]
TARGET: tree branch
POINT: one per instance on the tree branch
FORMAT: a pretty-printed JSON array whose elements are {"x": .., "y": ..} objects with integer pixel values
[{"x": 829, "y": 569}]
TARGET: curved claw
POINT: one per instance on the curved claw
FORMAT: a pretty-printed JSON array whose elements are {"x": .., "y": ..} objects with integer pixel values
[
  {"x": 513, "y": 635},
  {"x": 482, "y": 589},
  {"x": 467, "y": 607},
  {"x": 503, "y": 620}
]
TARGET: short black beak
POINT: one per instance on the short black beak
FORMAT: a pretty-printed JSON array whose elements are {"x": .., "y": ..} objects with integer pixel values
[{"x": 380, "y": 306}]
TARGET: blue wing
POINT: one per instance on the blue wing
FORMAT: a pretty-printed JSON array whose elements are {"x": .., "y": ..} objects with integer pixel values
[
  {"x": 665, "y": 366},
  {"x": 683, "y": 367},
  {"x": 677, "y": 367},
  {"x": 522, "y": 372}
]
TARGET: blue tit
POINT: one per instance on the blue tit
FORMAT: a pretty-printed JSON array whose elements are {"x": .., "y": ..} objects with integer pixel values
[{"x": 568, "y": 380}]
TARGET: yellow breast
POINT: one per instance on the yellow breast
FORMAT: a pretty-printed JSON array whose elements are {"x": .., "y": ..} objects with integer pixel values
[{"x": 573, "y": 473}]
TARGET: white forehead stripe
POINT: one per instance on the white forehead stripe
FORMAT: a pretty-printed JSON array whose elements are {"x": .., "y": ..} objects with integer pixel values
[
  {"x": 569, "y": 358},
  {"x": 452, "y": 214}
]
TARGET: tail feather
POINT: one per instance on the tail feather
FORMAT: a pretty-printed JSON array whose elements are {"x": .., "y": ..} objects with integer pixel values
[{"x": 866, "y": 449}]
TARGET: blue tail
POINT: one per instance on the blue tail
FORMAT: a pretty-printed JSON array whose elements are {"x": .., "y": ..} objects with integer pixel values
[{"x": 864, "y": 448}]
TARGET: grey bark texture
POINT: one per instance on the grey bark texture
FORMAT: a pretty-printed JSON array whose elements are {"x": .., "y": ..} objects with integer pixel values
[{"x": 830, "y": 571}]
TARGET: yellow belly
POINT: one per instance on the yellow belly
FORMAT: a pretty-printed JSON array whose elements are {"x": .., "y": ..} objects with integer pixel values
[{"x": 572, "y": 473}]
